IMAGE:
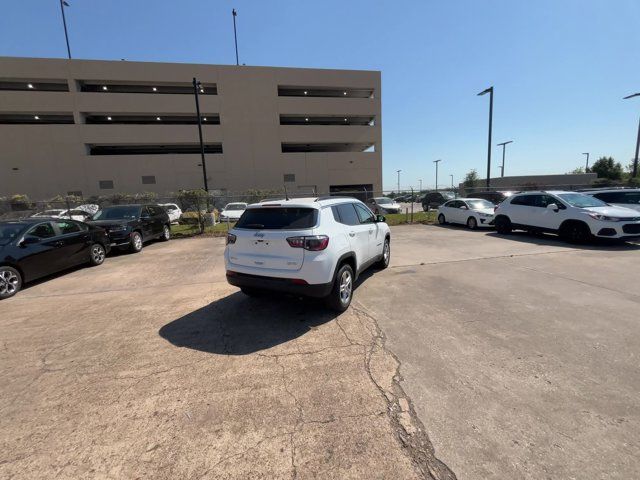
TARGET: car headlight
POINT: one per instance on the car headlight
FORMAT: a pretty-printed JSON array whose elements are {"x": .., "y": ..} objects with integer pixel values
[{"x": 603, "y": 218}]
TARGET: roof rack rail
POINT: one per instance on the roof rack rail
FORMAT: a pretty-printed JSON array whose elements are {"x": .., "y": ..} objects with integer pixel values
[{"x": 332, "y": 197}]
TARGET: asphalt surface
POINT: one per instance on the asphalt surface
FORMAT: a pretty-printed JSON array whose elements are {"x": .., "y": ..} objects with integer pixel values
[
  {"x": 520, "y": 353},
  {"x": 472, "y": 356}
]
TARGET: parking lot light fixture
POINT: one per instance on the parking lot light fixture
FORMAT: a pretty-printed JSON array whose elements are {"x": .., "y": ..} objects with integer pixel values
[
  {"x": 635, "y": 159},
  {"x": 437, "y": 162},
  {"x": 398, "y": 172},
  {"x": 586, "y": 168},
  {"x": 451, "y": 181},
  {"x": 503, "y": 145},
  {"x": 490, "y": 92},
  {"x": 196, "y": 87}
]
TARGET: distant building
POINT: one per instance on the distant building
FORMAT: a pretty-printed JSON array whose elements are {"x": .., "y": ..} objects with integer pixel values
[
  {"x": 569, "y": 181},
  {"x": 100, "y": 127}
]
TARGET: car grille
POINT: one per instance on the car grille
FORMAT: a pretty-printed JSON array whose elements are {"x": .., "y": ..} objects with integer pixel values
[{"x": 631, "y": 228}]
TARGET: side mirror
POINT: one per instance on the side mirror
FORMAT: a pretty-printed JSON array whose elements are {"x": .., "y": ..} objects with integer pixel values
[
  {"x": 29, "y": 240},
  {"x": 553, "y": 206},
  {"x": 380, "y": 219}
]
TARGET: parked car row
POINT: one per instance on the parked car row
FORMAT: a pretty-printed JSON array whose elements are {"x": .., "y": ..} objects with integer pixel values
[
  {"x": 575, "y": 216},
  {"x": 38, "y": 246}
]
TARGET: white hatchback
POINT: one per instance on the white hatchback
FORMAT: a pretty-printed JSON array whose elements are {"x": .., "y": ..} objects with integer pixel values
[
  {"x": 313, "y": 247},
  {"x": 472, "y": 212}
]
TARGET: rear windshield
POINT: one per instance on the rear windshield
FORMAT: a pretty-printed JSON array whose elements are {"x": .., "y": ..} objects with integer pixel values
[
  {"x": 278, "y": 218},
  {"x": 118, "y": 213}
]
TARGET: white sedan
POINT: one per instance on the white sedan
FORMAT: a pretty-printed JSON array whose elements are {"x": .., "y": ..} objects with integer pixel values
[
  {"x": 232, "y": 211},
  {"x": 472, "y": 212}
]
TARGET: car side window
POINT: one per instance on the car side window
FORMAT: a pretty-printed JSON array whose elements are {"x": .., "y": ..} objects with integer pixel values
[
  {"x": 525, "y": 200},
  {"x": 67, "y": 227},
  {"x": 348, "y": 215},
  {"x": 42, "y": 230},
  {"x": 364, "y": 214}
]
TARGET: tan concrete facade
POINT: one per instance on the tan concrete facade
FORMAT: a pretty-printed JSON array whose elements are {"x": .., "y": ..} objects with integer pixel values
[{"x": 43, "y": 160}]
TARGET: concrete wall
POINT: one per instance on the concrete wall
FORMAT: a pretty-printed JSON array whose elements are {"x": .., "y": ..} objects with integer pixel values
[{"x": 45, "y": 160}]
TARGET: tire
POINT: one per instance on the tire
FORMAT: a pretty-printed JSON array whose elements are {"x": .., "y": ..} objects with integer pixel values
[
  {"x": 97, "y": 254},
  {"x": 442, "y": 220},
  {"x": 340, "y": 297},
  {"x": 10, "y": 282},
  {"x": 472, "y": 223},
  {"x": 251, "y": 292},
  {"x": 166, "y": 233},
  {"x": 575, "y": 232},
  {"x": 386, "y": 255},
  {"x": 135, "y": 242},
  {"x": 503, "y": 225}
]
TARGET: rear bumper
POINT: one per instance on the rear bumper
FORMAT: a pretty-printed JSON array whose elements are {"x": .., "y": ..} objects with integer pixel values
[{"x": 285, "y": 285}]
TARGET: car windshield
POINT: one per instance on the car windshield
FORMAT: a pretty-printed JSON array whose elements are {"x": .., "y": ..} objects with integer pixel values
[
  {"x": 480, "y": 204},
  {"x": 383, "y": 200},
  {"x": 10, "y": 231},
  {"x": 581, "y": 200},
  {"x": 118, "y": 213},
  {"x": 235, "y": 206},
  {"x": 278, "y": 218}
]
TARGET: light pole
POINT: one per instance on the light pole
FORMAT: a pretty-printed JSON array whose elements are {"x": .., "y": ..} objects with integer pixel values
[
  {"x": 196, "y": 87},
  {"x": 504, "y": 146},
  {"x": 398, "y": 171},
  {"x": 437, "y": 162},
  {"x": 420, "y": 184},
  {"x": 235, "y": 34},
  {"x": 452, "y": 187},
  {"x": 635, "y": 160},
  {"x": 64, "y": 22},
  {"x": 586, "y": 168},
  {"x": 490, "y": 92}
]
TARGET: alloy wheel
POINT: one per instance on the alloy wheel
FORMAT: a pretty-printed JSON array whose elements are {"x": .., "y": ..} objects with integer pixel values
[
  {"x": 9, "y": 282},
  {"x": 97, "y": 254},
  {"x": 346, "y": 286},
  {"x": 137, "y": 242}
]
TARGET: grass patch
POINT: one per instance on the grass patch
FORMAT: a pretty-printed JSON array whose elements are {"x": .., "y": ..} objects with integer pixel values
[
  {"x": 418, "y": 217},
  {"x": 220, "y": 229}
]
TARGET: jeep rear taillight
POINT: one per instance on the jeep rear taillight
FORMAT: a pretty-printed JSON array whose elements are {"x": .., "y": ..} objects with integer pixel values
[
  {"x": 313, "y": 243},
  {"x": 231, "y": 238}
]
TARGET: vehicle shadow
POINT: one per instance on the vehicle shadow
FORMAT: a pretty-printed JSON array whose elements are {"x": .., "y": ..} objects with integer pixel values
[
  {"x": 554, "y": 240},
  {"x": 240, "y": 325}
]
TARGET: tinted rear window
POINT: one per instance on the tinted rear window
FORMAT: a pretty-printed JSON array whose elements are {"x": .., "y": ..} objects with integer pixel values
[{"x": 278, "y": 218}]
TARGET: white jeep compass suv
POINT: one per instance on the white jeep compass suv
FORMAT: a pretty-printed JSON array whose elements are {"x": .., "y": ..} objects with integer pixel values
[
  {"x": 313, "y": 247},
  {"x": 576, "y": 217}
]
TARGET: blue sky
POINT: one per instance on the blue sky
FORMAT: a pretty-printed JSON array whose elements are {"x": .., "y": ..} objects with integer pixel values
[{"x": 560, "y": 67}]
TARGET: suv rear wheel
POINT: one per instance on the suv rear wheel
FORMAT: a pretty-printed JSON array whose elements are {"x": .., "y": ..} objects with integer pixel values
[
  {"x": 135, "y": 242},
  {"x": 166, "y": 233},
  {"x": 340, "y": 297}
]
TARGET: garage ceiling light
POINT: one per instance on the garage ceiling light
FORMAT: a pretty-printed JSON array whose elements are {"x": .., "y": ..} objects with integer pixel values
[
  {"x": 305, "y": 92},
  {"x": 36, "y": 117},
  {"x": 155, "y": 89},
  {"x": 306, "y": 119},
  {"x": 109, "y": 118},
  {"x": 158, "y": 118},
  {"x": 30, "y": 85},
  {"x": 205, "y": 119},
  {"x": 344, "y": 93}
]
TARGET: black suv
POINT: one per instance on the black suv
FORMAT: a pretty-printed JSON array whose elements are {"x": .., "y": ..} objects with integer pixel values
[
  {"x": 435, "y": 199},
  {"x": 129, "y": 226},
  {"x": 494, "y": 197}
]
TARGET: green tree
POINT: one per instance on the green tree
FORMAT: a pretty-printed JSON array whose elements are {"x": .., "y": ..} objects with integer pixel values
[
  {"x": 471, "y": 178},
  {"x": 578, "y": 170},
  {"x": 607, "y": 167}
]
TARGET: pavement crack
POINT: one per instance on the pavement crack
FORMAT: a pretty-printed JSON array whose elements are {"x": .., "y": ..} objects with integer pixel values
[{"x": 409, "y": 430}]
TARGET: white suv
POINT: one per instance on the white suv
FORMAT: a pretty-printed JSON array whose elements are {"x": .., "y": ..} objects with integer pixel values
[
  {"x": 313, "y": 247},
  {"x": 574, "y": 216}
]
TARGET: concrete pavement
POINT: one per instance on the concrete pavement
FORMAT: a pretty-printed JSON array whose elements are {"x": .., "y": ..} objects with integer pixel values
[{"x": 520, "y": 353}]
